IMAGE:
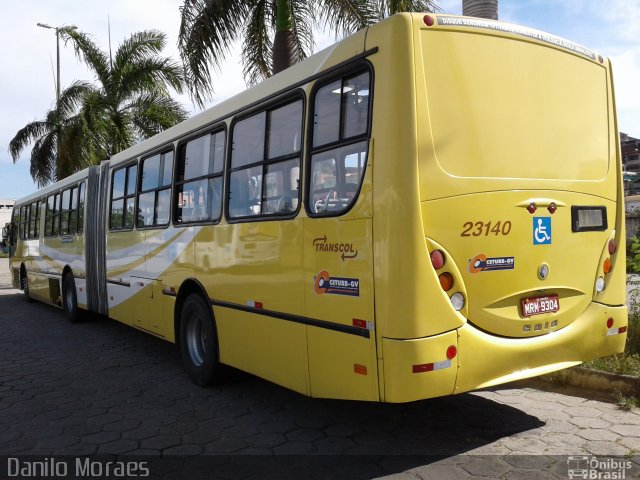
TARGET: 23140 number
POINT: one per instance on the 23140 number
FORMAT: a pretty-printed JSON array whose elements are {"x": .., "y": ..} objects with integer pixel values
[{"x": 477, "y": 229}]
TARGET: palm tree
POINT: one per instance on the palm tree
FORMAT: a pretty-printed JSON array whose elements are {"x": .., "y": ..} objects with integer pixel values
[
  {"x": 130, "y": 102},
  {"x": 277, "y": 33},
  {"x": 63, "y": 128},
  {"x": 480, "y": 8}
]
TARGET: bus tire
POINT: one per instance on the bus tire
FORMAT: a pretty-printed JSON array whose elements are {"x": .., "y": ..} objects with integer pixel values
[
  {"x": 24, "y": 284},
  {"x": 69, "y": 299},
  {"x": 199, "y": 342}
]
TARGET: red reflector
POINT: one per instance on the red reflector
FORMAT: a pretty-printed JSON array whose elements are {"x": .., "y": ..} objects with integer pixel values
[
  {"x": 425, "y": 367},
  {"x": 428, "y": 21},
  {"x": 622, "y": 329},
  {"x": 359, "y": 369},
  {"x": 446, "y": 281},
  {"x": 359, "y": 323},
  {"x": 531, "y": 208},
  {"x": 258, "y": 304},
  {"x": 437, "y": 259},
  {"x": 452, "y": 351},
  {"x": 552, "y": 208},
  {"x": 610, "y": 322},
  {"x": 612, "y": 247}
]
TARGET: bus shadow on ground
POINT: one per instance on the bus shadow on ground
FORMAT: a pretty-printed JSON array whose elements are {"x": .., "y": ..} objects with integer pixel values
[{"x": 100, "y": 384}]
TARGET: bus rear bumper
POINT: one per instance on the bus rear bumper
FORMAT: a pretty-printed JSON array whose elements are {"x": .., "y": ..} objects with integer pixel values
[
  {"x": 485, "y": 360},
  {"x": 418, "y": 368}
]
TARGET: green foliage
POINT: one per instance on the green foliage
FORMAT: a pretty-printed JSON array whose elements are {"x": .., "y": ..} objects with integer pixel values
[
  {"x": 626, "y": 402},
  {"x": 209, "y": 28},
  {"x": 633, "y": 255},
  {"x": 130, "y": 102}
]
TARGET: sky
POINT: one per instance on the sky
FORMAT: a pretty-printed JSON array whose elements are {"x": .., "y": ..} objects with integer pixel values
[{"x": 28, "y": 54}]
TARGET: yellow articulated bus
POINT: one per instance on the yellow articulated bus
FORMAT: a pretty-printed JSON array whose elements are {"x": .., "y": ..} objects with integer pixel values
[{"x": 431, "y": 206}]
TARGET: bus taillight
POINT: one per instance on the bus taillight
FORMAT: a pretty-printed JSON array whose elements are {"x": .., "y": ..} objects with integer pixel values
[
  {"x": 437, "y": 259},
  {"x": 446, "y": 281},
  {"x": 610, "y": 322},
  {"x": 531, "y": 208},
  {"x": 612, "y": 246},
  {"x": 606, "y": 267},
  {"x": 452, "y": 351}
]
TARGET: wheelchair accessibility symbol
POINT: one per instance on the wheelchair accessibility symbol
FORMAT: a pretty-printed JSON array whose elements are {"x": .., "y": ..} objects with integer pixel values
[{"x": 541, "y": 230}]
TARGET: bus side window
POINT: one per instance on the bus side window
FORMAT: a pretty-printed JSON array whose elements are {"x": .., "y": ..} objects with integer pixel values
[
  {"x": 339, "y": 150},
  {"x": 199, "y": 179},
  {"x": 265, "y": 162},
  {"x": 123, "y": 193},
  {"x": 154, "y": 195}
]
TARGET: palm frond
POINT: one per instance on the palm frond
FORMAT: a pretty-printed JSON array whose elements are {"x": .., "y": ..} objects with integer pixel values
[
  {"x": 303, "y": 20},
  {"x": 153, "y": 113},
  {"x": 151, "y": 74},
  {"x": 391, "y": 7},
  {"x": 207, "y": 30},
  {"x": 43, "y": 160},
  {"x": 87, "y": 51},
  {"x": 31, "y": 132},
  {"x": 257, "y": 48},
  {"x": 347, "y": 16}
]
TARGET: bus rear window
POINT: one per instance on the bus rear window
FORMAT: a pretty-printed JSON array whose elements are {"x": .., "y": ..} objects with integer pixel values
[{"x": 513, "y": 109}]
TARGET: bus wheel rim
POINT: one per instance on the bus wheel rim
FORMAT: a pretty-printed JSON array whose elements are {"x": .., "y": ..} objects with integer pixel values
[
  {"x": 69, "y": 297},
  {"x": 196, "y": 340}
]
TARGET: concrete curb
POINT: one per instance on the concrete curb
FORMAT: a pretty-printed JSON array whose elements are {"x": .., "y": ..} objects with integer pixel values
[{"x": 596, "y": 380}]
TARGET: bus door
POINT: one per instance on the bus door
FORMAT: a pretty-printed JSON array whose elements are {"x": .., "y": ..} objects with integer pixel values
[{"x": 338, "y": 276}]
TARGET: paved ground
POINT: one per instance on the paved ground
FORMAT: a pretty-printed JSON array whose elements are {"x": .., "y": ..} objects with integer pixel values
[{"x": 101, "y": 388}]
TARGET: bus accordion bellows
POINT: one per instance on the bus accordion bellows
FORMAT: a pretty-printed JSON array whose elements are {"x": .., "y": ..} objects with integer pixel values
[{"x": 430, "y": 206}]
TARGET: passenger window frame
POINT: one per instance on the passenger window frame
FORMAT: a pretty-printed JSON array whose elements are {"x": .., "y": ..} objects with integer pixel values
[
  {"x": 288, "y": 98},
  {"x": 162, "y": 152},
  {"x": 342, "y": 75},
  {"x": 210, "y": 130},
  {"x": 125, "y": 197}
]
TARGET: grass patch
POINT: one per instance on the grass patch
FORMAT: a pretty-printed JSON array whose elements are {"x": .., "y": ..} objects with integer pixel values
[
  {"x": 627, "y": 362},
  {"x": 626, "y": 403},
  {"x": 622, "y": 363}
]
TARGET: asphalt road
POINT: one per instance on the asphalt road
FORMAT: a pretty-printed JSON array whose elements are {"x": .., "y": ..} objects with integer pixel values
[{"x": 102, "y": 389}]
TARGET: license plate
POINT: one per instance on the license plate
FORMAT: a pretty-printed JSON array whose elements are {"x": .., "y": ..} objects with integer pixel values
[{"x": 540, "y": 305}]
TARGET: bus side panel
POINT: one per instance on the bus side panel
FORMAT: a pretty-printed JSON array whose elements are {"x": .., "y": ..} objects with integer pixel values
[
  {"x": 338, "y": 282},
  {"x": 268, "y": 347},
  {"x": 257, "y": 266},
  {"x": 169, "y": 255},
  {"x": 125, "y": 259},
  {"x": 419, "y": 368}
]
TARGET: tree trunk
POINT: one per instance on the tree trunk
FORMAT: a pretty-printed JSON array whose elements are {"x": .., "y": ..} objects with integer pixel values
[
  {"x": 480, "y": 8},
  {"x": 285, "y": 48},
  {"x": 285, "y": 52}
]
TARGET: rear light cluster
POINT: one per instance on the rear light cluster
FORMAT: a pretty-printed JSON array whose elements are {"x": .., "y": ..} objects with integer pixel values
[
  {"x": 607, "y": 265},
  {"x": 532, "y": 207},
  {"x": 450, "y": 353},
  {"x": 611, "y": 330},
  {"x": 438, "y": 260}
]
